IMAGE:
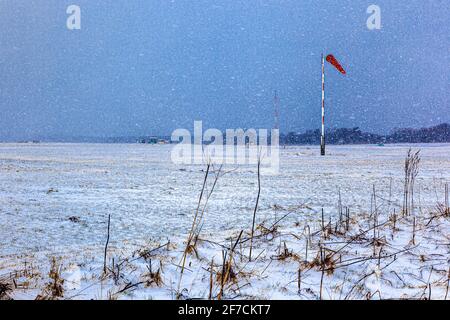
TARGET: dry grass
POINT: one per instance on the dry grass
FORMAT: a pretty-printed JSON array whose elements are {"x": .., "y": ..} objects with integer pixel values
[
  {"x": 153, "y": 278},
  {"x": 411, "y": 171},
  {"x": 5, "y": 289},
  {"x": 54, "y": 289}
]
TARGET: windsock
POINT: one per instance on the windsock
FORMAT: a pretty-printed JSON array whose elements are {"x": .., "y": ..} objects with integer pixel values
[{"x": 331, "y": 59}]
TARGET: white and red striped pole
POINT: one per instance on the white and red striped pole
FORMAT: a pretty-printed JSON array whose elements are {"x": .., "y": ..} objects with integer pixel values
[{"x": 322, "y": 138}]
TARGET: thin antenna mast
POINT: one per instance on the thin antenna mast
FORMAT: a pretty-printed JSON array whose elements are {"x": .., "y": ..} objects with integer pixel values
[{"x": 276, "y": 106}]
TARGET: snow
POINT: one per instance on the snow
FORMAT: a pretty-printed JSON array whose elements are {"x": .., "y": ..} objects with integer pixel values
[{"x": 55, "y": 200}]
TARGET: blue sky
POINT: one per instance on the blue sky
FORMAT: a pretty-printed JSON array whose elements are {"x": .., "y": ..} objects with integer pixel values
[{"x": 149, "y": 67}]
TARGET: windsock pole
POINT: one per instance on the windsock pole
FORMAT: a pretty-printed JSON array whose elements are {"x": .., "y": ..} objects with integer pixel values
[{"x": 322, "y": 138}]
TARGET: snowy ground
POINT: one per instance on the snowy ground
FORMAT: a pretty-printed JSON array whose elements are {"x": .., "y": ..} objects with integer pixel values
[{"x": 55, "y": 200}]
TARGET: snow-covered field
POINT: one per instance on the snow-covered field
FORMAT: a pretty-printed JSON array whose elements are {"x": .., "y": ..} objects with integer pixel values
[{"x": 55, "y": 200}]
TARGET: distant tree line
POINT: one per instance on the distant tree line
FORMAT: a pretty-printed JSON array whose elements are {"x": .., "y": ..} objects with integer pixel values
[{"x": 436, "y": 134}]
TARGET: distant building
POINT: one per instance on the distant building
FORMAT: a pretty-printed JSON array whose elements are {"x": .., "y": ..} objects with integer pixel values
[
  {"x": 152, "y": 140},
  {"x": 162, "y": 141}
]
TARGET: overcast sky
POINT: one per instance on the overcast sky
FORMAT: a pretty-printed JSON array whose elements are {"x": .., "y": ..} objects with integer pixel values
[{"x": 149, "y": 67}]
